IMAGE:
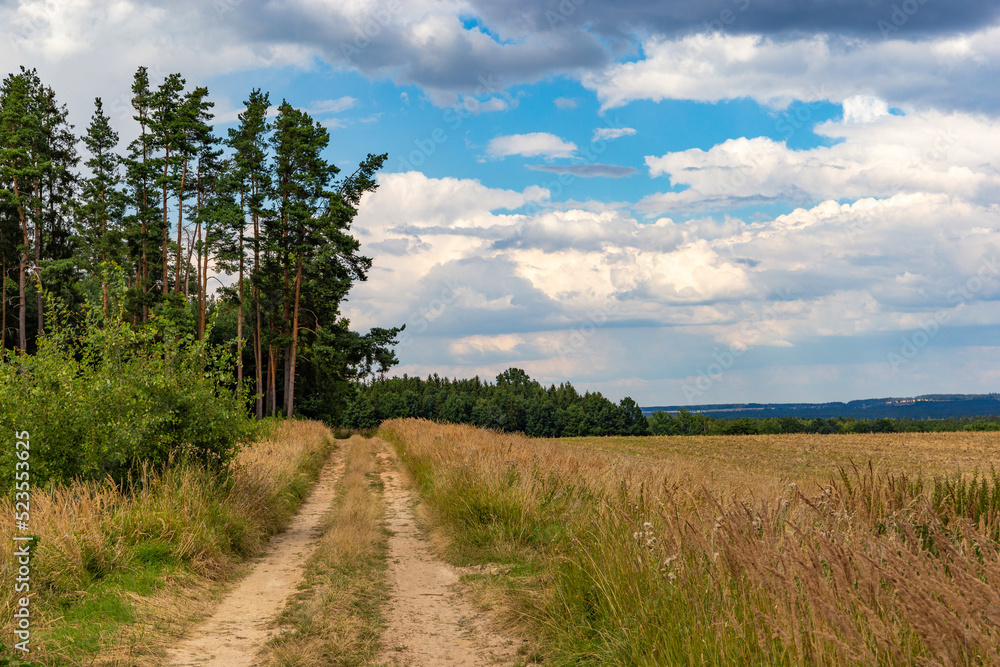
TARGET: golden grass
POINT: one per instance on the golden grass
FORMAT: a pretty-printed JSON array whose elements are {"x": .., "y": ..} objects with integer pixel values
[
  {"x": 809, "y": 457},
  {"x": 133, "y": 557},
  {"x": 337, "y": 618},
  {"x": 726, "y": 550}
]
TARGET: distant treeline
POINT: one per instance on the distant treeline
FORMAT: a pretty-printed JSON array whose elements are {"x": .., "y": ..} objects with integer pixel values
[
  {"x": 518, "y": 403},
  {"x": 514, "y": 403},
  {"x": 688, "y": 423}
]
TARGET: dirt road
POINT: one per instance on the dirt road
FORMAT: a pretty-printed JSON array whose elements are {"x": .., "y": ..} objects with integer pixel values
[
  {"x": 234, "y": 634},
  {"x": 430, "y": 623}
]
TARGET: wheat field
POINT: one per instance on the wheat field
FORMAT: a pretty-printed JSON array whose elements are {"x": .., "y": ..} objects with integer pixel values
[{"x": 769, "y": 550}]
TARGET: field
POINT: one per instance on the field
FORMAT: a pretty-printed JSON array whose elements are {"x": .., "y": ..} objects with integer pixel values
[{"x": 776, "y": 550}]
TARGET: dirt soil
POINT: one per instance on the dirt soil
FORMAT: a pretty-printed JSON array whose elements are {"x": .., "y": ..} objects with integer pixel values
[
  {"x": 430, "y": 623},
  {"x": 244, "y": 619}
]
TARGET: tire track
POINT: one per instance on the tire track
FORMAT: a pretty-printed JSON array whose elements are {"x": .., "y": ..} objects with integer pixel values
[{"x": 243, "y": 620}]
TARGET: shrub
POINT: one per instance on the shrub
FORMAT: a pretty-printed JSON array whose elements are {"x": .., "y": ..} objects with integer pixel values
[{"x": 100, "y": 399}]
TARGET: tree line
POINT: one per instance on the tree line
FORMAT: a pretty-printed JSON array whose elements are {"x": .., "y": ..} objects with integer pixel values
[
  {"x": 177, "y": 208},
  {"x": 684, "y": 422},
  {"x": 515, "y": 402}
]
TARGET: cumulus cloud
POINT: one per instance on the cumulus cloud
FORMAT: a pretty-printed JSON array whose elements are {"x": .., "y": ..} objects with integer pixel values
[
  {"x": 864, "y": 109},
  {"x": 930, "y": 152},
  {"x": 534, "y": 144},
  {"x": 482, "y": 286},
  {"x": 947, "y": 73}
]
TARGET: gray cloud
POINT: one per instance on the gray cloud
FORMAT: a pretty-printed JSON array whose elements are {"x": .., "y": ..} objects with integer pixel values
[
  {"x": 855, "y": 18},
  {"x": 586, "y": 170}
]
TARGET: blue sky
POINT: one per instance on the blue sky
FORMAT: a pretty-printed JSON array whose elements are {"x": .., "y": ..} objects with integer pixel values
[{"x": 685, "y": 202}]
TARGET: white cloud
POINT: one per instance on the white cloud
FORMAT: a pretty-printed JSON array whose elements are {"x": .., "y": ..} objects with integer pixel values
[
  {"x": 864, "y": 109},
  {"x": 944, "y": 74},
  {"x": 482, "y": 288},
  {"x": 927, "y": 152},
  {"x": 534, "y": 144},
  {"x": 332, "y": 106},
  {"x": 566, "y": 103},
  {"x": 612, "y": 132}
]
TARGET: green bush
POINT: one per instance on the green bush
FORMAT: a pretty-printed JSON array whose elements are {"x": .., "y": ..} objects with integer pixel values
[{"x": 101, "y": 398}]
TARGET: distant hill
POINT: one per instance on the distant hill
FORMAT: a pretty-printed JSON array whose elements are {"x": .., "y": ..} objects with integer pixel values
[{"x": 930, "y": 406}]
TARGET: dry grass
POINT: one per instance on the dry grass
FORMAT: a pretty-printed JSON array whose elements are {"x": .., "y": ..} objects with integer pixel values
[
  {"x": 113, "y": 571},
  {"x": 336, "y": 619},
  {"x": 746, "y": 550},
  {"x": 808, "y": 457}
]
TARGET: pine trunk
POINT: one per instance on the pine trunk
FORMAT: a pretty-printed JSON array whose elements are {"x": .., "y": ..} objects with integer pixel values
[
  {"x": 39, "y": 299},
  {"x": 166, "y": 223},
  {"x": 239, "y": 320},
  {"x": 3, "y": 305},
  {"x": 258, "y": 357},
  {"x": 180, "y": 228},
  {"x": 272, "y": 372},
  {"x": 22, "y": 315},
  {"x": 290, "y": 390}
]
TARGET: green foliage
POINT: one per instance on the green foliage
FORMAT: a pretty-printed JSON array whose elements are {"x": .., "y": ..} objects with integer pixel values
[
  {"x": 516, "y": 403},
  {"x": 102, "y": 398},
  {"x": 685, "y": 422}
]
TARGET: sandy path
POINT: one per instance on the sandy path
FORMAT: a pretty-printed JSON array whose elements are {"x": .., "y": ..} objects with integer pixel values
[
  {"x": 430, "y": 624},
  {"x": 242, "y": 622}
]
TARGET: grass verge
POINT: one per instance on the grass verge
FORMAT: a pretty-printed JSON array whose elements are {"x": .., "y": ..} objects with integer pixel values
[
  {"x": 115, "y": 574},
  {"x": 337, "y": 618},
  {"x": 614, "y": 559}
]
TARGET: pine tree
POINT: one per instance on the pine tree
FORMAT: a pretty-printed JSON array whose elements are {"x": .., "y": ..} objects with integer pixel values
[
  {"x": 103, "y": 205},
  {"x": 249, "y": 142},
  {"x": 193, "y": 131},
  {"x": 21, "y": 169},
  {"x": 141, "y": 168},
  {"x": 169, "y": 136},
  {"x": 310, "y": 229}
]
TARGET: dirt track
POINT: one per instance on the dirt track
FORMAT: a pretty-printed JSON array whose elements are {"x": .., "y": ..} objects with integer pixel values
[
  {"x": 243, "y": 620},
  {"x": 430, "y": 624}
]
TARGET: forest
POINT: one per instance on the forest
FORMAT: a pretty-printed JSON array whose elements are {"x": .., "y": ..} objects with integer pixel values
[
  {"x": 515, "y": 403},
  {"x": 242, "y": 240}
]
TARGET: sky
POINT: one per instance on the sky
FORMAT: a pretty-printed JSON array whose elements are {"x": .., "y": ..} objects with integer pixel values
[{"x": 686, "y": 202}]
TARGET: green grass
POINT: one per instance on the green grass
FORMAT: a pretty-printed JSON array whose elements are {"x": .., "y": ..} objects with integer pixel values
[
  {"x": 338, "y": 616},
  {"x": 104, "y": 555}
]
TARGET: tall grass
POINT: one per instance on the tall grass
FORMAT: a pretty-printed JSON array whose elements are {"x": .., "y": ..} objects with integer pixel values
[
  {"x": 97, "y": 544},
  {"x": 631, "y": 564},
  {"x": 336, "y": 619}
]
